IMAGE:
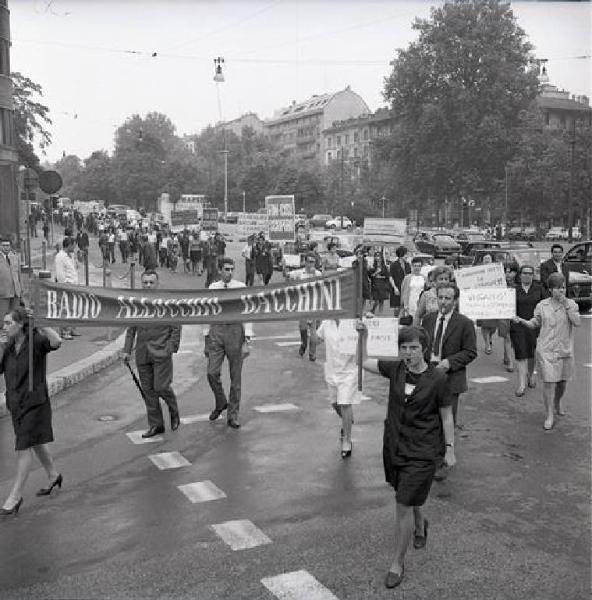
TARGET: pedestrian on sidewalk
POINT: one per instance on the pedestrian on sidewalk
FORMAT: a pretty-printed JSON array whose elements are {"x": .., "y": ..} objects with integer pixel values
[
  {"x": 155, "y": 346},
  {"x": 230, "y": 340},
  {"x": 418, "y": 434},
  {"x": 248, "y": 254},
  {"x": 341, "y": 377},
  {"x": 307, "y": 327},
  {"x": 66, "y": 271},
  {"x": 11, "y": 289},
  {"x": 30, "y": 411},
  {"x": 556, "y": 318}
]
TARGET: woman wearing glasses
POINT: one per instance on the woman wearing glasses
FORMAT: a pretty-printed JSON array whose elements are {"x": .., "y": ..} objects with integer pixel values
[{"x": 528, "y": 294}]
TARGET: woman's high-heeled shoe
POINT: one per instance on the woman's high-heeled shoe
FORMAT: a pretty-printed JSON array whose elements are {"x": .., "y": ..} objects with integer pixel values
[
  {"x": 4, "y": 512},
  {"x": 347, "y": 453},
  {"x": 47, "y": 491}
]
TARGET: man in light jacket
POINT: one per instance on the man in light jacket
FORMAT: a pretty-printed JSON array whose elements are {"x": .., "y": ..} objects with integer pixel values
[
  {"x": 66, "y": 271},
  {"x": 11, "y": 289}
]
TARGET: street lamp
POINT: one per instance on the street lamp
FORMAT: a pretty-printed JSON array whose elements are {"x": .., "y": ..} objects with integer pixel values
[
  {"x": 383, "y": 200},
  {"x": 219, "y": 78}
]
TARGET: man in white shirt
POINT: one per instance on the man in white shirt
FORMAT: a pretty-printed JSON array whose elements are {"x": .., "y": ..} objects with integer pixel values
[
  {"x": 66, "y": 271},
  {"x": 307, "y": 325},
  {"x": 232, "y": 340}
]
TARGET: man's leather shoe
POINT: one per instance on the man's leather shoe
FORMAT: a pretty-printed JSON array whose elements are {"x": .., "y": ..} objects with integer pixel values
[
  {"x": 216, "y": 413},
  {"x": 175, "y": 422},
  {"x": 394, "y": 579},
  {"x": 154, "y": 430},
  {"x": 233, "y": 423}
]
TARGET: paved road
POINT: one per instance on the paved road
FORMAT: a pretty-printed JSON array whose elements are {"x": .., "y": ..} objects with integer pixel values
[{"x": 511, "y": 522}]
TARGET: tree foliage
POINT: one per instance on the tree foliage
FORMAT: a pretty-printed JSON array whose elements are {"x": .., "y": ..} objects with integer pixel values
[
  {"x": 456, "y": 94},
  {"x": 31, "y": 119}
]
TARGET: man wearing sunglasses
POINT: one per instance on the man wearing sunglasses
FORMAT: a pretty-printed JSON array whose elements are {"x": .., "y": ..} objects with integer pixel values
[{"x": 232, "y": 340}]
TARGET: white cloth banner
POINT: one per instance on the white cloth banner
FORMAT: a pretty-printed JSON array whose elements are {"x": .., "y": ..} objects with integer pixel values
[
  {"x": 292, "y": 260},
  {"x": 491, "y": 275},
  {"x": 383, "y": 336},
  {"x": 488, "y": 303}
]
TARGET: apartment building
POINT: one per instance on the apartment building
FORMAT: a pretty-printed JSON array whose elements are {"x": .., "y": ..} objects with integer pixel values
[
  {"x": 560, "y": 111},
  {"x": 297, "y": 129}
]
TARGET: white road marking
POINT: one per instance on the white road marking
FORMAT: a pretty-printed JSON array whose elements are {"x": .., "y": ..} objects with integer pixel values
[
  {"x": 169, "y": 460},
  {"x": 492, "y": 379},
  {"x": 282, "y": 344},
  {"x": 267, "y": 408},
  {"x": 586, "y": 316},
  {"x": 136, "y": 437},
  {"x": 589, "y": 365},
  {"x": 262, "y": 338},
  {"x": 202, "y": 491},
  {"x": 297, "y": 585},
  {"x": 240, "y": 535},
  {"x": 188, "y": 420}
]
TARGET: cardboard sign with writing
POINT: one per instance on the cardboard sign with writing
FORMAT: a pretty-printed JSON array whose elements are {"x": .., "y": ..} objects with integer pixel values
[
  {"x": 210, "y": 219},
  {"x": 488, "y": 303},
  {"x": 491, "y": 275},
  {"x": 385, "y": 230},
  {"x": 252, "y": 224},
  {"x": 281, "y": 218},
  {"x": 383, "y": 336}
]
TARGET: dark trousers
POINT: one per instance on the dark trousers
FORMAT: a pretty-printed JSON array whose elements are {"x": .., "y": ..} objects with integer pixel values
[
  {"x": 226, "y": 340},
  {"x": 304, "y": 327},
  {"x": 111, "y": 248},
  {"x": 156, "y": 378},
  {"x": 249, "y": 273}
]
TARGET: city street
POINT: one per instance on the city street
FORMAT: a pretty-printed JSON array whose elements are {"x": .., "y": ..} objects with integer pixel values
[{"x": 260, "y": 513}]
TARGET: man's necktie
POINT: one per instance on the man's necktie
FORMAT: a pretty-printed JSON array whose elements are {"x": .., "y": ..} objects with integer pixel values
[
  {"x": 225, "y": 285},
  {"x": 438, "y": 338}
]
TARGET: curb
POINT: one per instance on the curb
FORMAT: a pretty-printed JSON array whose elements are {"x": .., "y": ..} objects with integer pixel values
[{"x": 60, "y": 380}]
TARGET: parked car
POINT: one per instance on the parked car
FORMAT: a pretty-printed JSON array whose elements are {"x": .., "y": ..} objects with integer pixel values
[
  {"x": 579, "y": 258},
  {"x": 529, "y": 234},
  {"x": 556, "y": 233},
  {"x": 515, "y": 233},
  {"x": 339, "y": 223},
  {"x": 319, "y": 220},
  {"x": 436, "y": 244},
  {"x": 467, "y": 256},
  {"x": 579, "y": 286},
  {"x": 466, "y": 237}
]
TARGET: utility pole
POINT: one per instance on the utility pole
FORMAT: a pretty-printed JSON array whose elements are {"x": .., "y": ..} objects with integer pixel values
[
  {"x": 225, "y": 152},
  {"x": 572, "y": 145},
  {"x": 244, "y": 204},
  {"x": 506, "y": 202}
]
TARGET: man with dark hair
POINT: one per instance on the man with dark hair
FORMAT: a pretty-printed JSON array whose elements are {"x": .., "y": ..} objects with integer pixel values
[
  {"x": 418, "y": 434},
  {"x": 155, "y": 346},
  {"x": 554, "y": 265},
  {"x": 453, "y": 345},
  {"x": 233, "y": 341}
]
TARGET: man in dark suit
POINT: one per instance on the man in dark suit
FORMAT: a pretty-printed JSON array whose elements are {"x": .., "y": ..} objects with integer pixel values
[
  {"x": 452, "y": 341},
  {"x": 554, "y": 265},
  {"x": 397, "y": 270},
  {"x": 155, "y": 347}
]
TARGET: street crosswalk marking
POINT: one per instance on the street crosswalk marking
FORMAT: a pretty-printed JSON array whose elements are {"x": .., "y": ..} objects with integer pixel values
[
  {"x": 268, "y": 408},
  {"x": 202, "y": 491},
  {"x": 589, "y": 365},
  {"x": 241, "y": 534},
  {"x": 169, "y": 460},
  {"x": 297, "y": 585},
  {"x": 491, "y": 379},
  {"x": 586, "y": 316},
  {"x": 136, "y": 437},
  {"x": 282, "y": 344},
  {"x": 189, "y": 419}
]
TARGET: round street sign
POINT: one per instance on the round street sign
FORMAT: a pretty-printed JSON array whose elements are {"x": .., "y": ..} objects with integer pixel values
[{"x": 50, "y": 181}]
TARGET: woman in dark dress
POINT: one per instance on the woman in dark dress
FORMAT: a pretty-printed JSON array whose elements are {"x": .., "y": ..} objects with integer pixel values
[
  {"x": 30, "y": 411},
  {"x": 380, "y": 281},
  {"x": 398, "y": 269},
  {"x": 528, "y": 294}
]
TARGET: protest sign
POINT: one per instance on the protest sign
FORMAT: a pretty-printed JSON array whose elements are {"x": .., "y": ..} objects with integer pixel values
[
  {"x": 209, "y": 219},
  {"x": 383, "y": 336},
  {"x": 184, "y": 219},
  {"x": 281, "y": 218},
  {"x": 491, "y": 275},
  {"x": 385, "y": 230},
  {"x": 323, "y": 297},
  {"x": 488, "y": 303},
  {"x": 292, "y": 260},
  {"x": 252, "y": 224}
]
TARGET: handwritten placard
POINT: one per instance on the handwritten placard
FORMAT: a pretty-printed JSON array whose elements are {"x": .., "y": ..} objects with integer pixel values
[
  {"x": 292, "y": 260},
  {"x": 383, "y": 336},
  {"x": 252, "y": 224},
  {"x": 488, "y": 303},
  {"x": 491, "y": 275}
]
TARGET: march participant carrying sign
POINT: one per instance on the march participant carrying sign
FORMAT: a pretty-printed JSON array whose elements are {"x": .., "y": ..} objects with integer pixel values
[
  {"x": 281, "y": 218},
  {"x": 383, "y": 336},
  {"x": 324, "y": 297}
]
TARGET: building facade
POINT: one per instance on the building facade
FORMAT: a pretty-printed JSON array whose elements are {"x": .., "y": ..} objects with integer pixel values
[
  {"x": 9, "y": 203},
  {"x": 249, "y": 119},
  {"x": 560, "y": 111},
  {"x": 297, "y": 130}
]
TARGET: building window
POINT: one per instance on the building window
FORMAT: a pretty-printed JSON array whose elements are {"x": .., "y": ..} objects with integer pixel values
[
  {"x": 355, "y": 151},
  {"x": 329, "y": 142},
  {"x": 365, "y": 134},
  {"x": 345, "y": 153},
  {"x": 366, "y": 150},
  {"x": 356, "y": 136},
  {"x": 338, "y": 140},
  {"x": 346, "y": 139},
  {"x": 329, "y": 156}
]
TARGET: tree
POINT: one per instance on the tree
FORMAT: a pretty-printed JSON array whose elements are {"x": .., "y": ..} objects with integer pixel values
[
  {"x": 31, "y": 119},
  {"x": 71, "y": 169},
  {"x": 456, "y": 95},
  {"x": 96, "y": 181}
]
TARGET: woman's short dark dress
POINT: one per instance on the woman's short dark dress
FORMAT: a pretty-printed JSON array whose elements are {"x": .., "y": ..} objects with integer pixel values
[
  {"x": 30, "y": 411},
  {"x": 523, "y": 338},
  {"x": 380, "y": 286}
]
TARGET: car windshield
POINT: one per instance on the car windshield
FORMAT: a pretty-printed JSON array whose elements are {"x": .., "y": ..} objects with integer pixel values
[
  {"x": 534, "y": 258},
  {"x": 440, "y": 237}
]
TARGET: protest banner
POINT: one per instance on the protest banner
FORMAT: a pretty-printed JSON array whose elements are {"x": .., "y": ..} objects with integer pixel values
[
  {"x": 488, "y": 303},
  {"x": 383, "y": 231},
  {"x": 292, "y": 260},
  {"x": 491, "y": 275},
  {"x": 184, "y": 219},
  {"x": 323, "y": 297},
  {"x": 252, "y": 224},
  {"x": 281, "y": 218},
  {"x": 383, "y": 336},
  {"x": 209, "y": 219}
]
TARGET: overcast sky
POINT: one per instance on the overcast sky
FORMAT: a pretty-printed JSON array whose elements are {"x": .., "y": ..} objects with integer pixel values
[{"x": 94, "y": 59}]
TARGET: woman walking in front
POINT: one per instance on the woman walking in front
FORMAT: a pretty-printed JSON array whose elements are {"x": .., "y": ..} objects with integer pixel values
[
  {"x": 30, "y": 411},
  {"x": 556, "y": 317}
]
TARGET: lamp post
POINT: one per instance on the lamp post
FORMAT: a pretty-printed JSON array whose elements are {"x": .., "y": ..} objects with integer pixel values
[
  {"x": 572, "y": 146},
  {"x": 219, "y": 78},
  {"x": 244, "y": 202},
  {"x": 383, "y": 200},
  {"x": 506, "y": 198}
]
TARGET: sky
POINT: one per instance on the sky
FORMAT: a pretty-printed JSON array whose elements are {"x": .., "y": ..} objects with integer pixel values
[{"x": 93, "y": 58}]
